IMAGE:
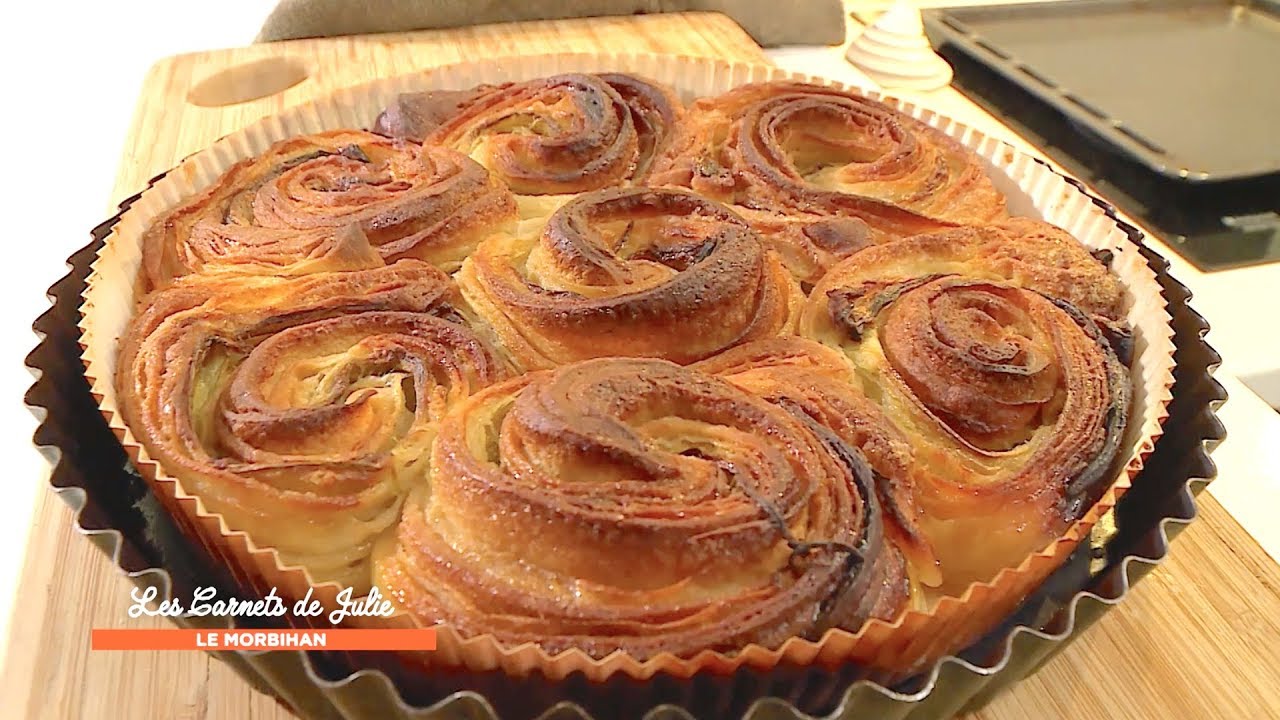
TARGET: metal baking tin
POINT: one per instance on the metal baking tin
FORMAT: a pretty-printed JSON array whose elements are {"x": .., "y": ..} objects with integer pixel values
[{"x": 115, "y": 509}]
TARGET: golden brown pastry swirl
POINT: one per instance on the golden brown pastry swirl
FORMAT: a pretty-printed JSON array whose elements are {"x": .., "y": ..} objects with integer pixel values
[
  {"x": 824, "y": 172},
  {"x": 635, "y": 505},
  {"x": 562, "y": 134},
  {"x": 630, "y": 272},
  {"x": 332, "y": 201},
  {"x": 1024, "y": 252},
  {"x": 301, "y": 410},
  {"x": 1012, "y": 400},
  {"x": 819, "y": 381}
]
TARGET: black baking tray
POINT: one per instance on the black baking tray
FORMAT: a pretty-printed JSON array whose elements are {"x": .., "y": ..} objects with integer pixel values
[
  {"x": 1189, "y": 88},
  {"x": 1171, "y": 108},
  {"x": 115, "y": 509}
]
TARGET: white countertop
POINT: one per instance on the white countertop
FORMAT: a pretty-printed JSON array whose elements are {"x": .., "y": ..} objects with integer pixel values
[{"x": 81, "y": 87}]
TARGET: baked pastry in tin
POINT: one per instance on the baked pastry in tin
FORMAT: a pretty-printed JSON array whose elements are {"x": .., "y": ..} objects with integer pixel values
[{"x": 732, "y": 391}]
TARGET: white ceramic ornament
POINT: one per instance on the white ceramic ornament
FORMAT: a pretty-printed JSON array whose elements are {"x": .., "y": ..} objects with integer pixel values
[{"x": 894, "y": 52}]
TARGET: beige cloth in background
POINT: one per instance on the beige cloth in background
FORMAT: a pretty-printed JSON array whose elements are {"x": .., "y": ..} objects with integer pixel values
[{"x": 770, "y": 22}]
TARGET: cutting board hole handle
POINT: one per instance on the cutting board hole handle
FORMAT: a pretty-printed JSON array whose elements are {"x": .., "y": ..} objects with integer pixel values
[{"x": 250, "y": 81}]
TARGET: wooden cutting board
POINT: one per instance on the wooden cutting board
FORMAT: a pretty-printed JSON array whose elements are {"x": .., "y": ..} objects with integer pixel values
[{"x": 1199, "y": 637}]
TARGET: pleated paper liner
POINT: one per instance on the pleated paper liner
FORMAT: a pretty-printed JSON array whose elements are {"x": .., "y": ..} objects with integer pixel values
[{"x": 911, "y": 642}]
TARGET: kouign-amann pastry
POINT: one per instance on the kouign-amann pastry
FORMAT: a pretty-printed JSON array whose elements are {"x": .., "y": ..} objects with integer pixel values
[
  {"x": 635, "y": 505},
  {"x": 630, "y": 272},
  {"x": 555, "y": 136},
  {"x": 774, "y": 366},
  {"x": 330, "y": 201},
  {"x": 823, "y": 172},
  {"x": 302, "y": 409},
  {"x": 980, "y": 346}
]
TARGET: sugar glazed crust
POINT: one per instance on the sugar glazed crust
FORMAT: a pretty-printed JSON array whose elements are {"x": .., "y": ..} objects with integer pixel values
[{"x": 563, "y": 362}]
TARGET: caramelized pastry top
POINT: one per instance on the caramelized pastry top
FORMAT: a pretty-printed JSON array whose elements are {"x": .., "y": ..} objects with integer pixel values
[
  {"x": 825, "y": 172},
  {"x": 337, "y": 200},
  {"x": 1013, "y": 401},
  {"x": 635, "y": 505},
  {"x": 819, "y": 381},
  {"x": 630, "y": 272},
  {"x": 1023, "y": 252},
  {"x": 301, "y": 409},
  {"x": 562, "y": 134}
]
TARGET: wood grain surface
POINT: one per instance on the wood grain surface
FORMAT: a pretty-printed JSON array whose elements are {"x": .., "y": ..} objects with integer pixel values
[
  {"x": 167, "y": 126},
  {"x": 1198, "y": 638}
]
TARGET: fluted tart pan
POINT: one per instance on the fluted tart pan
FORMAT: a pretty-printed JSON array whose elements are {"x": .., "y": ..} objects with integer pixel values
[
  {"x": 902, "y": 645},
  {"x": 116, "y": 510},
  {"x": 1032, "y": 188}
]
